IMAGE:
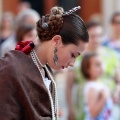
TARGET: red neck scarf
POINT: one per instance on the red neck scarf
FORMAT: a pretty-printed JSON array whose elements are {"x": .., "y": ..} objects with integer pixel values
[{"x": 25, "y": 47}]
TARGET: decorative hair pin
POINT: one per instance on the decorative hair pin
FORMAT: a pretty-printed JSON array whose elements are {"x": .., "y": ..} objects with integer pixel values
[
  {"x": 71, "y": 11},
  {"x": 45, "y": 24}
]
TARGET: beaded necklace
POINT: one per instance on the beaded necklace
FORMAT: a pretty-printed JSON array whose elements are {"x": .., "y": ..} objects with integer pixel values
[{"x": 54, "y": 108}]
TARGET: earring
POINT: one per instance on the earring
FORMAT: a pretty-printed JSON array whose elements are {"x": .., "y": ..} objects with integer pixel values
[{"x": 55, "y": 58}]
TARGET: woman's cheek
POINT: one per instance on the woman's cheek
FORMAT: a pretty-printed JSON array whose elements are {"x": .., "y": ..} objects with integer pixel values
[
  {"x": 67, "y": 59},
  {"x": 61, "y": 60}
]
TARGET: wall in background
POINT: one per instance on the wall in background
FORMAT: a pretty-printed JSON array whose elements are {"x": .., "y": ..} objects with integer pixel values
[{"x": 10, "y": 5}]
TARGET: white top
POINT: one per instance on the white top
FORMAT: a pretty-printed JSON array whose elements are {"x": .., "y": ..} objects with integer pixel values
[
  {"x": 95, "y": 85},
  {"x": 108, "y": 105},
  {"x": 47, "y": 82}
]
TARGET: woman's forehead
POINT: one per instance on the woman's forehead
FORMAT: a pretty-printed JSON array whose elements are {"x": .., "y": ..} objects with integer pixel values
[
  {"x": 81, "y": 46},
  {"x": 78, "y": 48}
]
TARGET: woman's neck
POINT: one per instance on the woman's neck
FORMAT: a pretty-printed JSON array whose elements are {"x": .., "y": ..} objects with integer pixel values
[
  {"x": 40, "y": 49},
  {"x": 92, "y": 80}
]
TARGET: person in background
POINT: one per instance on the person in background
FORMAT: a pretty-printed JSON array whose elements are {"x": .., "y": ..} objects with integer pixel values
[
  {"x": 23, "y": 5},
  {"x": 98, "y": 103},
  {"x": 29, "y": 17},
  {"x": 113, "y": 40},
  {"x": 25, "y": 32},
  {"x": 6, "y": 27},
  {"x": 116, "y": 100},
  {"x": 75, "y": 80},
  {"x": 110, "y": 66}
]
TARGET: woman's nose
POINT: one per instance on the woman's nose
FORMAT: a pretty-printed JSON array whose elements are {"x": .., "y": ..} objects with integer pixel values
[{"x": 71, "y": 63}]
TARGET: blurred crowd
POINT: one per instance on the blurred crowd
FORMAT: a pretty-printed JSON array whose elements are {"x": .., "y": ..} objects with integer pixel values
[
  {"x": 21, "y": 27},
  {"x": 90, "y": 90}
]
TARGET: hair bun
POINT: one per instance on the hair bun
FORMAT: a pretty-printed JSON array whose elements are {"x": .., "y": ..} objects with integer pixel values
[
  {"x": 57, "y": 10},
  {"x": 50, "y": 25}
]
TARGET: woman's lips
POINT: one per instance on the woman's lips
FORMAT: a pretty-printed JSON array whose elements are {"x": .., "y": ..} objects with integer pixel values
[{"x": 63, "y": 67}]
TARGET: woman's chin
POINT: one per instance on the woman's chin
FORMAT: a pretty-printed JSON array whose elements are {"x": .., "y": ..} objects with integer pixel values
[{"x": 56, "y": 68}]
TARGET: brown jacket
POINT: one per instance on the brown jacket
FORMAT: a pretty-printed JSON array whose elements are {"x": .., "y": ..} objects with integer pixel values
[{"x": 23, "y": 95}]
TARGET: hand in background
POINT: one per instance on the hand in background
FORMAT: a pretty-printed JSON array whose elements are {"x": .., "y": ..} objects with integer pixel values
[
  {"x": 60, "y": 113},
  {"x": 71, "y": 115}
]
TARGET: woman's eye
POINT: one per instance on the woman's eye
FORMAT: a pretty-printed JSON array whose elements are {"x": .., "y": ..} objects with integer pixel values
[{"x": 72, "y": 55}]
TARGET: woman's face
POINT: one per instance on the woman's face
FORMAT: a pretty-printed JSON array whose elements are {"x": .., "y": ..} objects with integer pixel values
[
  {"x": 67, "y": 55},
  {"x": 95, "y": 69}
]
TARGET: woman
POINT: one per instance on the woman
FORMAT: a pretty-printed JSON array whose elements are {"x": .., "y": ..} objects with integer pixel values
[{"x": 27, "y": 88}]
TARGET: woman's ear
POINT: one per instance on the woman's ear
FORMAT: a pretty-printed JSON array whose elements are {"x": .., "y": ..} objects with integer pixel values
[{"x": 56, "y": 40}]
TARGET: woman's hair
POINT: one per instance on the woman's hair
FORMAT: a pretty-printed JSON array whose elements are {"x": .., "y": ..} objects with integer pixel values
[
  {"x": 22, "y": 31},
  {"x": 70, "y": 27},
  {"x": 85, "y": 64}
]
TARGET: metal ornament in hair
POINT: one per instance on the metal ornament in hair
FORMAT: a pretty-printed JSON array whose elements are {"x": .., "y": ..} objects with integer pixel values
[
  {"x": 44, "y": 24},
  {"x": 71, "y": 11},
  {"x": 55, "y": 58}
]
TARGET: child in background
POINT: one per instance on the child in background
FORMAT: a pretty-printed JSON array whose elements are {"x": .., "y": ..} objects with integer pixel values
[
  {"x": 25, "y": 32},
  {"x": 98, "y": 103}
]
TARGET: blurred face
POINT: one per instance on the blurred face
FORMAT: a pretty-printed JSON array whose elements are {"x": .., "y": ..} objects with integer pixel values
[
  {"x": 95, "y": 36},
  {"x": 95, "y": 70},
  {"x": 116, "y": 24},
  {"x": 7, "y": 22},
  {"x": 30, "y": 35},
  {"x": 30, "y": 20},
  {"x": 67, "y": 54}
]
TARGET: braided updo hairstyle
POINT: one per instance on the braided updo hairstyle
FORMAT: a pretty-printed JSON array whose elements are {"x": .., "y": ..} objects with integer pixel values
[{"x": 68, "y": 25}]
